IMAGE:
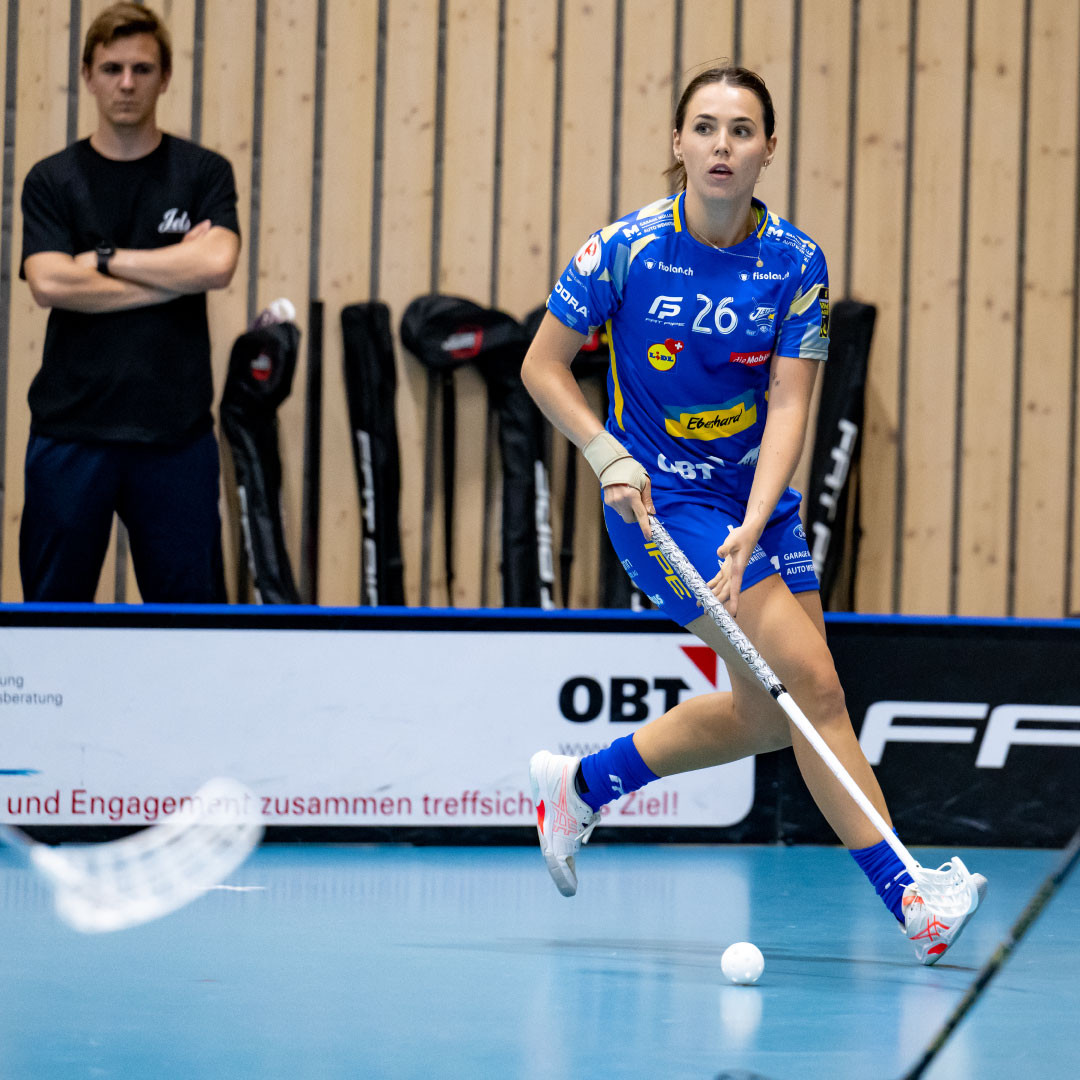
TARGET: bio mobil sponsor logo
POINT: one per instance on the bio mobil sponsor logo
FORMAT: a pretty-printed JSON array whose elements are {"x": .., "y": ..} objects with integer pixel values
[
  {"x": 587, "y": 258},
  {"x": 1043, "y": 725},
  {"x": 750, "y": 359},
  {"x": 662, "y": 354},
  {"x": 464, "y": 343}
]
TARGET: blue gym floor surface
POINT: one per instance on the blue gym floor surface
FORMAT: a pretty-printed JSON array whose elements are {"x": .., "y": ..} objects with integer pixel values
[{"x": 399, "y": 962}]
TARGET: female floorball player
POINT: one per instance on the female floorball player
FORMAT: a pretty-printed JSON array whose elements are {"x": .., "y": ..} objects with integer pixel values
[{"x": 717, "y": 314}]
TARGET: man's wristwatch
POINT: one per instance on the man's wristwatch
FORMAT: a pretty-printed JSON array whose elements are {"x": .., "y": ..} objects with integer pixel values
[{"x": 104, "y": 253}]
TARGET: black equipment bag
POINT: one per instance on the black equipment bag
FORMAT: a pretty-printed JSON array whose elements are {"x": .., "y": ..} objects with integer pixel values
[
  {"x": 445, "y": 333},
  {"x": 615, "y": 589},
  {"x": 371, "y": 389},
  {"x": 261, "y": 370},
  {"x": 838, "y": 445},
  {"x": 527, "y": 562}
]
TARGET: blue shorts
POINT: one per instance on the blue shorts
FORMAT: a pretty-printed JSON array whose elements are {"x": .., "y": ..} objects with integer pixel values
[{"x": 699, "y": 529}]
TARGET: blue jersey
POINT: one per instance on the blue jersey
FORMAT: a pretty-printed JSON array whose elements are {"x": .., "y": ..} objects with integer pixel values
[{"x": 691, "y": 330}]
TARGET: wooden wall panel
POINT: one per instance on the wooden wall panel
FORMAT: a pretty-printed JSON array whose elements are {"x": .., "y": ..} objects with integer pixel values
[
  {"x": 526, "y": 178},
  {"x": 876, "y": 272},
  {"x": 767, "y": 44},
  {"x": 960, "y": 348},
  {"x": 1044, "y": 413},
  {"x": 465, "y": 257},
  {"x": 344, "y": 275},
  {"x": 528, "y": 147},
  {"x": 40, "y": 129},
  {"x": 584, "y": 207},
  {"x": 708, "y": 37},
  {"x": 991, "y": 310},
  {"x": 228, "y": 110},
  {"x": 174, "y": 109},
  {"x": 937, "y": 205},
  {"x": 404, "y": 270},
  {"x": 645, "y": 107},
  {"x": 285, "y": 217},
  {"x": 820, "y": 195}
]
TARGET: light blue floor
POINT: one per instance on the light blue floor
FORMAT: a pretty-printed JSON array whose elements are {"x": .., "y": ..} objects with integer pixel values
[{"x": 402, "y": 962}]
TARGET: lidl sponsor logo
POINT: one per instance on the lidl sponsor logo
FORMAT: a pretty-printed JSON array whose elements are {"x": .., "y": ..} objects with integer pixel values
[
  {"x": 662, "y": 354},
  {"x": 588, "y": 257},
  {"x": 750, "y": 359},
  {"x": 712, "y": 421}
]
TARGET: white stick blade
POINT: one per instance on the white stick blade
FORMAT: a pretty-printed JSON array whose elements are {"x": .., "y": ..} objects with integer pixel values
[{"x": 116, "y": 885}]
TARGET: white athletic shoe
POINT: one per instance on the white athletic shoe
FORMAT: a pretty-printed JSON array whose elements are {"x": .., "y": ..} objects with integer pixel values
[
  {"x": 563, "y": 820},
  {"x": 934, "y": 922}
]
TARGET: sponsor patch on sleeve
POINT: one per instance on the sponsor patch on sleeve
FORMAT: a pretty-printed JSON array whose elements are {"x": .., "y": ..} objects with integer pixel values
[
  {"x": 587, "y": 258},
  {"x": 750, "y": 359}
]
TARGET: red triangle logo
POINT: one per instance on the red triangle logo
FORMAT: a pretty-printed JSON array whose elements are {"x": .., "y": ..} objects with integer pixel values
[{"x": 704, "y": 659}]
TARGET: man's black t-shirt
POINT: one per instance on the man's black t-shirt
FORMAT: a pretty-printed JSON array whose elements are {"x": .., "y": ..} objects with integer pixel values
[{"x": 140, "y": 375}]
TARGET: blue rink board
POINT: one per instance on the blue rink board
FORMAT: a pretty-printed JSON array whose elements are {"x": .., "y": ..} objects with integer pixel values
[{"x": 399, "y": 962}]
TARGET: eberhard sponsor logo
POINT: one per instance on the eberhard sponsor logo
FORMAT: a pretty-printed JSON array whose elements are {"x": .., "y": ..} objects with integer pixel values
[
  {"x": 587, "y": 258},
  {"x": 750, "y": 359},
  {"x": 1043, "y": 725},
  {"x": 662, "y": 354},
  {"x": 564, "y": 294},
  {"x": 711, "y": 421}
]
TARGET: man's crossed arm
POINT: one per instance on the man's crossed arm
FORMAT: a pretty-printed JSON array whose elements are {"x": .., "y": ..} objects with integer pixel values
[{"x": 205, "y": 259}]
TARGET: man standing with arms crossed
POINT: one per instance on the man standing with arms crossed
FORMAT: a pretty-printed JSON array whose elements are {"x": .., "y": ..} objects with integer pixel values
[{"x": 124, "y": 232}]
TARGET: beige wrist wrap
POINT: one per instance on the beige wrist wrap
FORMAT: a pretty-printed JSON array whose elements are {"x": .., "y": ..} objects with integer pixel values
[{"x": 612, "y": 464}]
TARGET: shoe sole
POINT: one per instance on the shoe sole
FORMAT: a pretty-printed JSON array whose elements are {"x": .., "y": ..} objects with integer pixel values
[
  {"x": 561, "y": 873},
  {"x": 980, "y": 887}
]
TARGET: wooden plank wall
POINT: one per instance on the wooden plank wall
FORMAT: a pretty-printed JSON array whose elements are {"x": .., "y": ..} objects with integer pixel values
[{"x": 387, "y": 148}]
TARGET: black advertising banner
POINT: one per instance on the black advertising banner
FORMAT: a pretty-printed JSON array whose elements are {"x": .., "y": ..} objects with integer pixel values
[{"x": 973, "y": 730}]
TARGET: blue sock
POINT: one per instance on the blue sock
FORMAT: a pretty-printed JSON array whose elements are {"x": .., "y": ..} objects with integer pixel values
[
  {"x": 886, "y": 873},
  {"x": 613, "y": 772}
]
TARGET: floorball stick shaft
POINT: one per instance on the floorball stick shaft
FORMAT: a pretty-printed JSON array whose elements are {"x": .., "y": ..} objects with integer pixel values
[{"x": 767, "y": 677}]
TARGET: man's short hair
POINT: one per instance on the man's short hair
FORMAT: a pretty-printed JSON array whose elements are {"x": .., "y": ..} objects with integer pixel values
[{"x": 122, "y": 20}]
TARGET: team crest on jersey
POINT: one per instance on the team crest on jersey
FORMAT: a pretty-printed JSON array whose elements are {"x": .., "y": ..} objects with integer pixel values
[
  {"x": 662, "y": 354},
  {"x": 711, "y": 421},
  {"x": 587, "y": 258}
]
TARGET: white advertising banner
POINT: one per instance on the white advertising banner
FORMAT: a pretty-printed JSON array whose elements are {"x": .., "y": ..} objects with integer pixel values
[{"x": 103, "y": 726}]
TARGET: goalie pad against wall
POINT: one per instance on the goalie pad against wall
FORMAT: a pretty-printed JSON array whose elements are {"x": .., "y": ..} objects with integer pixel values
[
  {"x": 838, "y": 444},
  {"x": 371, "y": 389},
  {"x": 261, "y": 370},
  {"x": 445, "y": 333}
]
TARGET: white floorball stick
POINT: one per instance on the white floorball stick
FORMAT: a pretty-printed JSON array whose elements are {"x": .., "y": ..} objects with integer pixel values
[
  {"x": 950, "y": 885},
  {"x": 122, "y": 883}
]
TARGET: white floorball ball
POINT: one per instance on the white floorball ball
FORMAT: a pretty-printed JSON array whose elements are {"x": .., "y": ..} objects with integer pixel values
[{"x": 742, "y": 963}]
